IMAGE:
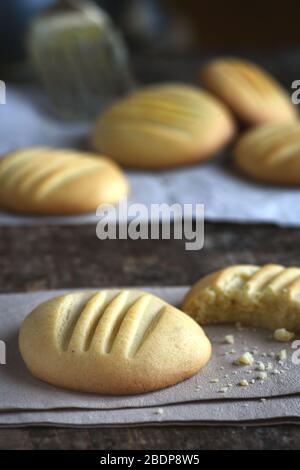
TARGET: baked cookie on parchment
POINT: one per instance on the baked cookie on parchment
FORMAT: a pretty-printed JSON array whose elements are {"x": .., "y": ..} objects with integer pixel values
[
  {"x": 112, "y": 342},
  {"x": 163, "y": 126},
  {"x": 48, "y": 181},
  {"x": 260, "y": 296},
  {"x": 271, "y": 153}
]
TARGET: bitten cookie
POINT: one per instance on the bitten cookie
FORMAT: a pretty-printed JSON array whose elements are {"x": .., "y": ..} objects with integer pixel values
[
  {"x": 271, "y": 153},
  {"x": 250, "y": 92},
  {"x": 49, "y": 181},
  {"x": 266, "y": 297},
  {"x": 163, "y": 126},
  {"x": 112, "y": 342}
]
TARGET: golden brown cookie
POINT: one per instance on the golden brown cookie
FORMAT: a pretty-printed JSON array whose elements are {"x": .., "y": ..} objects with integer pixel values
[
  {"x": 271, "y": 153},
  {"x": 163, "y": 126},
  {"x": 266, "y": 297},
  {"x": 250, "y": 92},
  {"x": 112, "y": 342},
  {"x": 63, "y": 182}
]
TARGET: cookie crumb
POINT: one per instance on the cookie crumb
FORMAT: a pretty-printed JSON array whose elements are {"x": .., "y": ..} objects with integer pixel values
[
  {"x": 243, "y": 383},
  {"x": 260, "y": 366},
  {"x": 281, "y": 355},
  {"x": 229, "y": 339},
  {"x": 214, "y": 381},
  {"x": 245, "y": 359},
  {"x": 262, "y": 376},
  {"x": 283, "y": 335}
]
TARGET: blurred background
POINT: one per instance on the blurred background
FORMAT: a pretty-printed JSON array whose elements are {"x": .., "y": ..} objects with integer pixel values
[
  {"x": 115, "y": 44},
  {"x": 64, "y": 61},
  {"x": 175, "y": 25}
]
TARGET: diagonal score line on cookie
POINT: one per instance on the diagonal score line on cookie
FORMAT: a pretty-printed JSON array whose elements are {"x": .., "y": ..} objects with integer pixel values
[
  {"x": 26, "y": 175},
  {"x": 259, "y": 82},
  {"x": 111, "y": 325},
  {"x": 148, "y": 331},
  {"x": 285, "y": 281},
  {"x": 8, "y": 164},
  {"x": 285, "y": 152},
  {"x": 274, "y": 278},
  {"x": 270, "y": 148},
  {"x": 12, "y": 166},
  {"x": 261, "y": 278},
  {"x": 136, "y": 323},
  {"x": 68, "y": 314},
  {"x": 155, "y": 130},
  {"x": 57, "y": 180},
  {"x": 110, "y": 322},
  {"x": 126, "y": 326},
  {"x": 86, "y": 324},
  {"x": 244, "y": 293},
  {"x": 183, "y": 109},
  {"x": 270, "y": 138},
  {"x": 46, "y": 168},
  {"x": 171, "y": 112},
  {"x": 247, "y": 76},
  {"x": 32, "y": 169},
  {"x": 135, "y": 117}
]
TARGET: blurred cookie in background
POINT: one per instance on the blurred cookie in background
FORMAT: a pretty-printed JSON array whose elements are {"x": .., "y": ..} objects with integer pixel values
[
  {"x": 48, "y": 181},
  {"x": 163, "y": 126},
  {"x": 253, "y": 95},
  {"x": 271, "y": 153}
]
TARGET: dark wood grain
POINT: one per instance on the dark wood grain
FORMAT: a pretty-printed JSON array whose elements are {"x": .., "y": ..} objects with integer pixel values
[
  {"x": 162, "y": 438},
  {"x": 34, "y": 258},
  {"x": 54, "y": 257}
]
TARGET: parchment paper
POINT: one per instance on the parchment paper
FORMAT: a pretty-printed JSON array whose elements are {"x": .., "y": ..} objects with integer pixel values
[
  {"x": 272, "y": 411},
  {"x": 227, "y": 196},
  {"x": 20, "y": 391}
]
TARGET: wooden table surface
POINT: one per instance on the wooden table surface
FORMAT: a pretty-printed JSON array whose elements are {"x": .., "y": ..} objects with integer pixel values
[{"x": 54, "y": 257}]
